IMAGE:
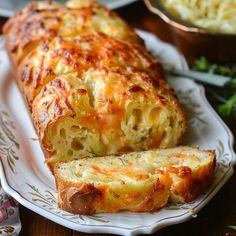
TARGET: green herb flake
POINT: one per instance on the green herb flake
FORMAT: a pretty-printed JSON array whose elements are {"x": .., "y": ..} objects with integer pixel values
[{"x": 228, "y": 101}]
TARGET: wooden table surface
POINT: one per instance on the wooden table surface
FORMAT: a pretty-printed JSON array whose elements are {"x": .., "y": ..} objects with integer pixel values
[{"x": 212, "y": 220}]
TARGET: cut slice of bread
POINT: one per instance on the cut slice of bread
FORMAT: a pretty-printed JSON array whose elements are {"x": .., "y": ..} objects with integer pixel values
[{"x": 136, "y": 181}]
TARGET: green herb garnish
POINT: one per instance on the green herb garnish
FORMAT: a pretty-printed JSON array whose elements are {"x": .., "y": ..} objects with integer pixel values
[
  {"x": 228, "y": 107},
  {"x": 229, "y": 93}
]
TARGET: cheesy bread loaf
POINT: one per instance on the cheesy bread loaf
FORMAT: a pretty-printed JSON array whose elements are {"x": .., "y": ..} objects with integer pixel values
[
  {"x": 91, "y": 86},
  {"x": 137, "y": 181}
]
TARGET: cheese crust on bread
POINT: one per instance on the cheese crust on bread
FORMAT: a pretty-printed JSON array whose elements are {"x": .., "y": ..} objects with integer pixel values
[
  {"x": 91, "y": 86},
  {"x": 136, "y": 181}
]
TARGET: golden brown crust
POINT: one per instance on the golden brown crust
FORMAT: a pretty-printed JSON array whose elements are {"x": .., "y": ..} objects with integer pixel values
[
  {"x": 91, "y": 86},
  {"x": 47, "y": 20},
  {"x": 87, "y": 199},
  {"x": 192, "y": 183},
  {"x": 56, "y": 99},
  {"x": 80, "y": 200},
  {"x": 77, "y": 56}
]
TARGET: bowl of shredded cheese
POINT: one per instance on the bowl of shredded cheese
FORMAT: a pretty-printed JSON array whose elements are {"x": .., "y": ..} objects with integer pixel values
[{"x": 200, "y": 27}]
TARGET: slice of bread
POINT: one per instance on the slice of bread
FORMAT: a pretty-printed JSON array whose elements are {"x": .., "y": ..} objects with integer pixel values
[{"x": 136, "y": 181}]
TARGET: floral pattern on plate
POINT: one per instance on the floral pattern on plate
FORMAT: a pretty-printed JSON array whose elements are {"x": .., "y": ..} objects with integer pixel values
[{"x": 31, "y": 183}]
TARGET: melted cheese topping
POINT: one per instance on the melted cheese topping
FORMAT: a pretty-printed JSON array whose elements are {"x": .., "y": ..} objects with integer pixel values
[
  {"x": 75, "y": 56},
  {"x": 100, "y": 113},
  {"x": 90, "y": 84},
  {"x": 46, "y": 20}
]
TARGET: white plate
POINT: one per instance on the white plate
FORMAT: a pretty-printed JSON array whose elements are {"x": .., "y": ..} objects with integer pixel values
[
  {"x": 8, "y": 7},
  {"x": 24, "y": 175}
]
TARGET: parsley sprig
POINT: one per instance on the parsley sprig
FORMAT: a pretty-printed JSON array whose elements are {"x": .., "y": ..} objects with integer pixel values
[{"x": 229, "y": 93}]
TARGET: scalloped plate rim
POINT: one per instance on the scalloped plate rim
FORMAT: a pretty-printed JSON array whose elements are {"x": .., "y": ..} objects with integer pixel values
[
  {"x": 147, "y": 229},
  {"x": 123, "y": 230}
]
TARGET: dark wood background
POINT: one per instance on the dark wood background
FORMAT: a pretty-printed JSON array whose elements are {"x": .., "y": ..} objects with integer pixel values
[{"x": 212, "y": 220}]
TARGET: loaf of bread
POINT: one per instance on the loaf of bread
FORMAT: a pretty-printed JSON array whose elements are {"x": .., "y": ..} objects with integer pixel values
[
  {"x": 137, "y": 181},
  {"x": 91, "y": 87}
]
